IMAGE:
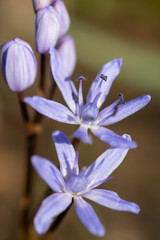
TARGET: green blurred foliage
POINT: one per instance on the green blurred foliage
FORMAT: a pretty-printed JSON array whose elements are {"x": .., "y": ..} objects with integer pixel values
[{"x": 104, "y": 30}]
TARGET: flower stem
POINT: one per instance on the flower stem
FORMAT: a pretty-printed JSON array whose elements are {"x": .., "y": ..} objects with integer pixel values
[
  {"x": 25, "y": 197},
  {"x": 42, "y": 84},
  {"x": 75, "y": 143},
  {"x": 52, "y": 90},
  {"x": 32, "y": 131}
]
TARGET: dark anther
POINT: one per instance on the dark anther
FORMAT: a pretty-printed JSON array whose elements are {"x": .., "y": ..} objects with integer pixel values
[
  {"x": 81, "y": 77},
  {"x": 103, "y": 77},
  {"x": 122, "y": 98},
  {"x": 75, "y": 98}
]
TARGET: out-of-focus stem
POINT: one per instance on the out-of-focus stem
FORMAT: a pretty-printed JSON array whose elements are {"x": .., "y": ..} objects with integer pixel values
[
  {"x": 25, "y": 198},
  {"x": 42, "y": 81},
  {"x": 52, "y": 90},
  {"x": 75, "y": 143}
]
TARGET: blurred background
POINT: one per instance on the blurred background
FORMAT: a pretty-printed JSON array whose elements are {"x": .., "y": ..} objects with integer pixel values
[{"x": 103, "y": 30}]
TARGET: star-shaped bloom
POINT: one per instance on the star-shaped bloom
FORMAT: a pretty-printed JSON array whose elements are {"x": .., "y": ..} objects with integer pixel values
[
  {"x": 69, "y": 184},
  {"x": 88, "y": 115}
]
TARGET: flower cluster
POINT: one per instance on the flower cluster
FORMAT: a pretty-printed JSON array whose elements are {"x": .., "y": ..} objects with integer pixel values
[
  {"x": 19, "y": 65},
  {"x": 52, "y": 24},
  {"x": 69, "y": 184}
]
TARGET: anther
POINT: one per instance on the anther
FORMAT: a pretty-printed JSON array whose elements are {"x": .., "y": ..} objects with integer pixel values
[
  {"x": 122, "y": 98},
  {"x": 81, "y": 77},
  {"x": 103, "y": 77}
]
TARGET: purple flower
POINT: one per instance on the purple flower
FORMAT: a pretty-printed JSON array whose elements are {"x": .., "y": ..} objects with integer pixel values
[
  {"x": 19, "y": 65},
  {"x": 88, "y": 115},
  {"x": 67, "y": 52},
  {"x": 47, "y": 29},
  {"x": 70, "y": 184},
  {"x": 39, "y": 4},
  {"x": 64, "y": 18},
  {"x": 52, "y": 22}
]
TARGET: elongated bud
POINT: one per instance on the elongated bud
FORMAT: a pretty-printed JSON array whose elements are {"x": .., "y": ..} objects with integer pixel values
[
  {"x": 19, "y": 65},
  {"x": 61, "y": 9},
  {"x": 47, "y": 29},
  {"x": 39, "y": 4},
  {"x": 67, "y": 52}
]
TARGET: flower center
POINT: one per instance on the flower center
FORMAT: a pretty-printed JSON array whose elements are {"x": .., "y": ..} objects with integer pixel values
[
  {"x": 89, "y": 112},
  {"x": 77, "y": 184}
]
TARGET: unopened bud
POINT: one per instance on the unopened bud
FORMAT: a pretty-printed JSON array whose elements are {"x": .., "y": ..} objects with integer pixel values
[
  {"x": 39, "y": 4},
  {"x": 64, "y": 18},
  {"x": 47, "y": 29},
  {"x": 19, "y": 65},
  {"x": 67, "y": 52}
]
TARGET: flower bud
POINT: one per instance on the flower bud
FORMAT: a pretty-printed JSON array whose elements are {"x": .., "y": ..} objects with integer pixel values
[
  {"x": 19, "y": 65},
  {"x": 39, "y": 4},
  {"x": 47, "y": 29},
  {"x": 67, "y": 52},
  {"x": 61, "y": 9}
]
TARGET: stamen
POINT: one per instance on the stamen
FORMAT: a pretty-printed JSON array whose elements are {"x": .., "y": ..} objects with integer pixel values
[
  {"x": 122, "y": 98},
  {"x": 103, "y": 77},
  {"x": 75, "y": 98},
  {"x": 81, "y": 77}
]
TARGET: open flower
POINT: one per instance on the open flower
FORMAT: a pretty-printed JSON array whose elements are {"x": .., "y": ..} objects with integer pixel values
[
  {"x": 88, "y": 115},
  {"x": 70, "y": 184}
]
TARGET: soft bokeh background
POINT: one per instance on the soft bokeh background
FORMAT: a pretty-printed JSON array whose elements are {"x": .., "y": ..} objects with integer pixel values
[{"x": 103, "y": 30}]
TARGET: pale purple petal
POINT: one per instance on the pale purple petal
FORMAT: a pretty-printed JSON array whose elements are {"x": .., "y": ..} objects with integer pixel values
[
  {"x": 111, "y": 200},
  {"x": 112, "y": 138},
  {"x": 61, "y": 10},
  {"x": 5, "y": 46},
  {"x": 39, "y": 4},
  {"x": 47, "y": 29},
  {"x": 82, "y": 134},
  {"x": 88, "y": 217},
  {"x": 62, "y": 80},
  {"x": 111, "y": 70},
  {"x": 66, "y": 153},
  {"x": 107, "y": 112},
  {"x": 19, "y": 65},
  {"x": 76, "y": 167},
  {"x": 67, "y": 52},
  {"x": 105, "y": 164},
  {"x": 126, "y": 109},
  {"x": 98, "y": 183},
  {"x": 49, "y": 173},
  {"x": 51, "y": 207},
  {"x": 51, "y": 109}
]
